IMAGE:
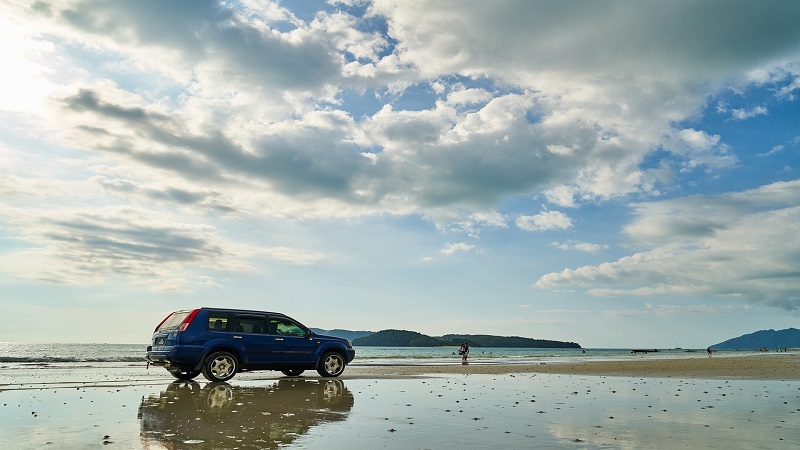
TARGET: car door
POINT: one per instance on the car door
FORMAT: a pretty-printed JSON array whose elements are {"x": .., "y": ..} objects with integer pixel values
[
  {"x": 291, "y": 343},
  {"x": 252, "y": 333}
]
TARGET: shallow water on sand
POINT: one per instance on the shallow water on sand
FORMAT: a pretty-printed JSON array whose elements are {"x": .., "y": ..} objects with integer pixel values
[
  {"x": 16, "y": 355},
  {"x": 134, "y": 408},
  {"x": 567, "y": 411}
]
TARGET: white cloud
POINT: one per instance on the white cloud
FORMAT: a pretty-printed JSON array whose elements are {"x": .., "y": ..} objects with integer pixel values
[
  {"x": 700, "y": 149},
  {"x": 294, "y": 255},
  {"x": 788, "y": 91},
  {"x": 733, "y": 245},
  {"x": 452, "y": 248},
  {"x": 741, "y": 114},
  {"x": 580, "y": 246},
  {"x": 209, "y": 282},
  {"x": 561, "y": 196},
  {"x": 780, "y": 147},
  {"x": 251, "y": 114},
  {"x": 251, "y": 118},
  {"x": 95, "y": 246},
  {"x": 468, "y": 96},
  {"x": 544, "y": 221}
]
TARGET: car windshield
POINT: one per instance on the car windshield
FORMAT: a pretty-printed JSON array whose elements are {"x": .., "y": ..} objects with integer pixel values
[{"x": 173, "y": 320}]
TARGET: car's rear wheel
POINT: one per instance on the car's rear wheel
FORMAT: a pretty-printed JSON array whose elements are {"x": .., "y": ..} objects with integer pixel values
[
  {"x": 292, "y": 372},
  {"x": 331, "y": 365},
  {"x": 184, "y": 375},
  {"x": 220, "y": 366},
  {"x": 219, "y": 397}
]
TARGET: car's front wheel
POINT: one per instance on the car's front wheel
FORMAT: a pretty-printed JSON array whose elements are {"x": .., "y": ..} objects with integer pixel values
[
  {"x": 331, "y": 365},
  {"x": 220, "y": 366},
  {"x": 292, "y": 372},
  {"x": 184, "y": 375}
]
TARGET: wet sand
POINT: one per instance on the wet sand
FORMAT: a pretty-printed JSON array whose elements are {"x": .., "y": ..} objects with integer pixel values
[
  {"x": 776, "y": 366},
  {"x": 727, "y": 402}
]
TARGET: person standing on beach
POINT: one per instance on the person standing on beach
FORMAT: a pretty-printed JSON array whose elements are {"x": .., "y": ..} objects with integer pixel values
[
  {"x": 709, "y": 351},
  {"x": 464, "y": 352}
]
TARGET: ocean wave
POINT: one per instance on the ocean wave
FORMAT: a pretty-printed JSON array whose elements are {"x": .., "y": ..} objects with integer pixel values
[{"x": 58, "y": 359}]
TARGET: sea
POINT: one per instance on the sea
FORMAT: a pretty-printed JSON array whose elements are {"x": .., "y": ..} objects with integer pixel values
[{"x": 61, "y": 355}]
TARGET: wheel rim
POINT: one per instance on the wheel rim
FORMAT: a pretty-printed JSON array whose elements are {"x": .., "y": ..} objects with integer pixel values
[
  {"x": 222, "y": 366},
  {"x": 219, "y": 397},
  {"x": 331, "y": 391},
  {"x": 334, "y": 364}
]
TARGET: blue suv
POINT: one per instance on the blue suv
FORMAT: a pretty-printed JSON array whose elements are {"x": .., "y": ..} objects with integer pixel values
[{"x": 220, "y": 342}]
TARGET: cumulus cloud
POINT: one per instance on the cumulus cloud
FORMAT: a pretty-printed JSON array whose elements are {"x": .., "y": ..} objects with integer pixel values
[
  {"x": 249, "y": 114},
  {"x": 733, "y": 245},
  {"x": 544, "y": 221},
  {"x": 699, "y": 149},
  {"x": 245, "y": 108},
  {"x": 561, "y": 196}
]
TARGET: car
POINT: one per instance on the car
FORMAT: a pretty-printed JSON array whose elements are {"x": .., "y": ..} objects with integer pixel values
[
  {"x": 284, "y": 411},
  {"x": 221, "y": 342}
]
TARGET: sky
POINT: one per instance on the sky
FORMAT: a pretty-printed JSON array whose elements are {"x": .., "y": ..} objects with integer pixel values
[{"x": 612, "y": 173}]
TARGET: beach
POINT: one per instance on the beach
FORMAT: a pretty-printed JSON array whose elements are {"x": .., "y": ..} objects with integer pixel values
[
  {"x": 748, "y": 401},
  {"x": 750, "y": 366}
]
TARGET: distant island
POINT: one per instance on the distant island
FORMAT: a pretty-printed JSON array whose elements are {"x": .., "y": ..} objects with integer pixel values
[
  {"x": 345, "y": 334},
  {"x": 769, "y": 339},
  {"x": 403, "y": 338}
]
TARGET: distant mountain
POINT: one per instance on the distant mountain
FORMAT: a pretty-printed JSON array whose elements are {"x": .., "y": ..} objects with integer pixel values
[
  {"x": 769, "y": 339},
  {"x": 345, "y": 334},
  {"x": 403, "y": 338},
  {"x": 400, "y": 338},
  {"x": 486, "y": 340}
]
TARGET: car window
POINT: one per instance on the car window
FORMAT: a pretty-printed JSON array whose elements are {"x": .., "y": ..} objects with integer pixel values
[
  {"x": 173, "y": 320},
  {"x": 285, "y": 327},
  {"x": 250, "y": 324},
  {"x": 218, "y": 321}
]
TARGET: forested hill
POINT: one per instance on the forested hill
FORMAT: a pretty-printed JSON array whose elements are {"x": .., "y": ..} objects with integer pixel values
[
  {"x": 769, "y": 339},
  {"x": 402, "y": 338},
  {"x": 486, "y": 340},
  {"x": 346, "y": 334}
]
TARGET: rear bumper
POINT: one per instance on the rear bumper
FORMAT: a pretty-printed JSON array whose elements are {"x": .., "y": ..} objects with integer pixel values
[{"x": 175, "y": 356}]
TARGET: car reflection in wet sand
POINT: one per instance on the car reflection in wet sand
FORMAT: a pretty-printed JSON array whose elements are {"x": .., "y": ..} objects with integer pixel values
[{"x": 219, "y": 415}]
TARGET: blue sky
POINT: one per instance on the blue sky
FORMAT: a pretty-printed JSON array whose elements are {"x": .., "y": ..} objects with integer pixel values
[{"x": 613, "y": 173}]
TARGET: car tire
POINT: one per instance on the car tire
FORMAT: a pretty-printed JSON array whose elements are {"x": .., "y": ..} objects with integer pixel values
[
  {"x": 331, "y": 364},
  {"x": 220, "y": 366},
  {"x": 185, "y": 375},
  {"x": 293, "y": 372}
]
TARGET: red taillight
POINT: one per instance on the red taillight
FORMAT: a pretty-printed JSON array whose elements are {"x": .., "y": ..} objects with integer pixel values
[{"x": 188, "y": 320}]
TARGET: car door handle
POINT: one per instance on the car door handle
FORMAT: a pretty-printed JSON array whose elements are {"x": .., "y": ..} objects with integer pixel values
[
  {"x": 278, "y": 339},
  {"x": 237, "y": 337}
]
